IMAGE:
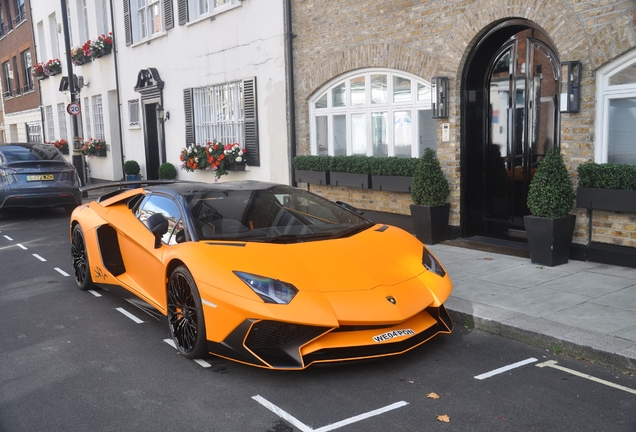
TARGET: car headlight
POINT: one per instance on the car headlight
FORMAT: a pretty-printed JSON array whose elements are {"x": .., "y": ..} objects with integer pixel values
[
  {"x": 268, "y": 289},
  {"x": 430, "y": 262}
]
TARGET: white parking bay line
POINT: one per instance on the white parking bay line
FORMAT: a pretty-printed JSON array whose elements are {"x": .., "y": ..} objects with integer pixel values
[
  {"x": 95, "y": 293},
  {"x": 506, "y": 368},
  {"x": 62, "y": 272},
  {"x": 202, "y": 363},
  {"x": 21, "y": 246},
  {"x": 553, "y": 364},
  {"x": 129, "y": 315},
  {"x": 304, "y": 428},
  {"x": 170, "y": 342},
  {"x": 39, "y": 257},
  {"x": 8, "y": 238}
]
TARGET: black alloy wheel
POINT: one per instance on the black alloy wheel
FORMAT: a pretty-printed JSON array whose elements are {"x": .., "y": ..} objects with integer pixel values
[
  {"x": 81, "y": 269},
  {"x": 185, "y": 314}
]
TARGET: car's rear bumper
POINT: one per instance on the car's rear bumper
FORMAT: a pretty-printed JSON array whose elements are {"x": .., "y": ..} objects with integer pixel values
[
  {"x": 36, "y": 199},
  {"x": 280, "y": 345}
]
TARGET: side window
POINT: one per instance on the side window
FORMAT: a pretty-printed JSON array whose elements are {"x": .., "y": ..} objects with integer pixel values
[{"x": 166, "y": 206}]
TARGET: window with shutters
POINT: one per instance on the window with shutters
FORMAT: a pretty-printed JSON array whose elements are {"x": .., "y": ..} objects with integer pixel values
[
  {"x": 196, "y": 10},
  {"x": 226, "y": 113},
  {"x": 133, "y": 114},
  {"x": 146, "y": 19}
]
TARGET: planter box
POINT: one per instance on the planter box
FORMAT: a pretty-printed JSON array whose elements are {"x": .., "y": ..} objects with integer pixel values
[
  {"x": 430, "y": 222},
  {"x": 392, "y": 183},
  {"x": 549, "y": 240},
  {"x": 362, "y": 181},
  {"x": 236, "y": 167},
  {"x": 606, "y": 199},
  {"x": 313, "y": 177}
]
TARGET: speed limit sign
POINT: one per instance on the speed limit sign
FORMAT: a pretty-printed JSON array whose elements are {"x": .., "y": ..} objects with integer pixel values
[{"x": 73, "y": 108}]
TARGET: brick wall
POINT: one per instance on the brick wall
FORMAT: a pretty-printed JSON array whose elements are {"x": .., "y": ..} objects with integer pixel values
[{"x": 431, "y": 38}]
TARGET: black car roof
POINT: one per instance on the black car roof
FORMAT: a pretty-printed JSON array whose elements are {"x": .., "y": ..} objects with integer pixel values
[{"x": 184, "y": 188}]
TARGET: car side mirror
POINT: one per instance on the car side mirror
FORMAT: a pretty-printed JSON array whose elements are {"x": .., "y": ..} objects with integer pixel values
[{"x": 158, "y": 225}]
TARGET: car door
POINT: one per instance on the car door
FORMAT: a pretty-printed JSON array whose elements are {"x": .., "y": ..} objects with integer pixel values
[{"x": 145, "y": 270}]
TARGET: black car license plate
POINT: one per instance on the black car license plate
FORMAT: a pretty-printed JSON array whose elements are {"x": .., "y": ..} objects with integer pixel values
[{"x": 40, "y": 177}]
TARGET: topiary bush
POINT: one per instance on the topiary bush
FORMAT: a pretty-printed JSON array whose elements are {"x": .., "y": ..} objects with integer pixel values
[
  {"x": 131, "y": 167},
  {"x": 551, "y": 194},
  {"x": 167, "y": 171},
  {"x": 607, "y": 176},
  {"x": 312, "y": 163},
  {"x": 430, "y": 186}
]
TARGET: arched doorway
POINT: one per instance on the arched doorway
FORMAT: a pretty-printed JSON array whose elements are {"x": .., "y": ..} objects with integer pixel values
[{"x": 510, "y": 111}]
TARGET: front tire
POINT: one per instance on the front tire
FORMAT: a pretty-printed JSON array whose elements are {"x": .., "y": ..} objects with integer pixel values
[
  {"x": 81, "y": 269},
  {"x": 185, "y": 314}
]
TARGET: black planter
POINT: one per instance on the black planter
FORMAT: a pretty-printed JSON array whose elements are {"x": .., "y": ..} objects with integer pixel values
[
  {"x": 362, "y": 181},
  {"x": 606, "y": 199},
  {"x": 133, "y": 177},
  {"x": 236, "y": 167},
  {"x": 392, "y": 183},
  {"x": 313, "y": 177},
  {"x": 430, "y": 222},
  {"x": 549, "y": 240}
]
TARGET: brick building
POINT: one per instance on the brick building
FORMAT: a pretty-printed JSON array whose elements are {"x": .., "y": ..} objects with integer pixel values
[
  {"x": 20, "y": 92},
  {"x": 362, "y": 70}
]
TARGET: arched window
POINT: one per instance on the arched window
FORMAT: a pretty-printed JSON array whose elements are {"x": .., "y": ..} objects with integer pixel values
[
  {"x": 373, "y": 112},
  {"x": 616, "y": 111}
]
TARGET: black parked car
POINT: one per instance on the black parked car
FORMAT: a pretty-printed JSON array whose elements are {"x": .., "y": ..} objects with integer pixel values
[{"x": 37, "y": 175}]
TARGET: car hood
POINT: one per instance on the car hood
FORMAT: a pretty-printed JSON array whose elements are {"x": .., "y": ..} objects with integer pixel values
[{"x": 378, "y": 256}]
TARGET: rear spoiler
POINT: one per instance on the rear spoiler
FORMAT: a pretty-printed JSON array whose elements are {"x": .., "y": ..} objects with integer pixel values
[{"x": 123, "y": 184}]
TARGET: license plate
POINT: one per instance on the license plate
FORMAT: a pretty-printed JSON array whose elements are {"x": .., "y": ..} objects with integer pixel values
[{"x": 40, "y": 177}]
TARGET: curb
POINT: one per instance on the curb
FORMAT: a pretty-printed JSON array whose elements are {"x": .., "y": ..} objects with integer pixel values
[{"x": 604, "y": 349}]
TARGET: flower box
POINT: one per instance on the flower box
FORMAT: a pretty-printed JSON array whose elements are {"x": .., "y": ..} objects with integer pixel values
[
  {"x": 362, "y": 181},
  {"x": 312, "y": 177},
  {"x": 235, "y": 167},
  {"x": 100, "y": 152},
  {"x": 606, "y": 199},
  {"x": 392, "y": 183},
  {"x": 55, "y": 71}
]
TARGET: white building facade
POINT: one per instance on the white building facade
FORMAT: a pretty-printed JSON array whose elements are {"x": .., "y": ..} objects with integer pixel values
[
  {"x": 217, "y": 70},
  {"x": 180, "y": 72},
  {"x": 96, "y": 84}
]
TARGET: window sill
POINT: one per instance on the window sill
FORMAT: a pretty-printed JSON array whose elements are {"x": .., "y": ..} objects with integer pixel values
[
  {"x": 149, "y": 39},
  {"x": 213, "y": 15}
]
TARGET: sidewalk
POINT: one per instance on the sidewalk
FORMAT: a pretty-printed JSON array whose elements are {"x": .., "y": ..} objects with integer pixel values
[{"x": 580, "y": 308}]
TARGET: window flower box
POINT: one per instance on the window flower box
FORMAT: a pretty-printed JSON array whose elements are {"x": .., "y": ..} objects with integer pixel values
[
  {"x": 362, "y": 181},
  {"x": 312, "y": 177},
  {"x": 102, "y": 46},
  {"x": 392, "y": 183}
]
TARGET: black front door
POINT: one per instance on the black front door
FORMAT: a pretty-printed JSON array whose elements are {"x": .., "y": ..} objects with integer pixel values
[
  {"x": 152, "y": 132},
  {"x": 511, "y": 119}
]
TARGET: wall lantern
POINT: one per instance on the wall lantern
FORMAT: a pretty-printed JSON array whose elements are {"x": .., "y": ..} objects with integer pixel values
[
  {"x": 571, "y": 86},
  {"x": 439, "y": 97},
  {"x": 160, "y": 113}
]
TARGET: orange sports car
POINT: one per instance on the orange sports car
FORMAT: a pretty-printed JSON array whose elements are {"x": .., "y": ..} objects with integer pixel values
[{"x": 261, "y": 273}]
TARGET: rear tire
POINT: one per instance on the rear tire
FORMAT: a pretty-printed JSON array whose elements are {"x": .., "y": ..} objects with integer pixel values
[
  {"x": 185, "y": 314},
  {"x": 81, "y": 269}
]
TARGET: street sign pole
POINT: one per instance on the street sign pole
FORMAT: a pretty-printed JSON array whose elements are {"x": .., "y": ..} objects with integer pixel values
[{"x": 78, "y": 158}]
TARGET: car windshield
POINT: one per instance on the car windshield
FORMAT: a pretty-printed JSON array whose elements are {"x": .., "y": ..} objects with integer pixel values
[
  {"x": 278, "y": 214},
  {"x": 30, "y": 153}
]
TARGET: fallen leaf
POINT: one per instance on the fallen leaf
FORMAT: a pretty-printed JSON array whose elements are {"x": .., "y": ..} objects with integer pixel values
[
  {"x": 488, "y": 259},
  {"x": 432, "y": 396},
  {"x": 443, "y": 418}
]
